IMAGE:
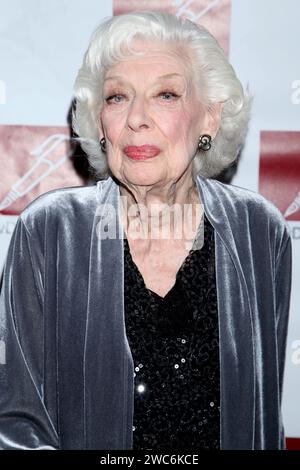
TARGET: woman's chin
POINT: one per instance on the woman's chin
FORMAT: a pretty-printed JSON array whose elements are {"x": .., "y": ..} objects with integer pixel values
[{"x": 143, "y": 177}]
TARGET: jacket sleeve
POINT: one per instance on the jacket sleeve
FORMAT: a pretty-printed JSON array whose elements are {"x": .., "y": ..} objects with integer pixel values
[
  {"x": 283, "y": 277},
  {"x": 24, "y": 420}
]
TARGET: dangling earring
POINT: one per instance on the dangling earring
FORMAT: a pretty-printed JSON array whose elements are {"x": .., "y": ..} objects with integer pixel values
[
  {"x": 204, "y": 142},
  {"x": 103, "y": 144}
]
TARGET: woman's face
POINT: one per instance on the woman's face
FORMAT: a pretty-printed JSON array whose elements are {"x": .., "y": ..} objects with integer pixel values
[{"x": 151, "y": 117}]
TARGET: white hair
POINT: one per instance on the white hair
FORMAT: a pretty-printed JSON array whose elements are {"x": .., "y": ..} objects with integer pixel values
[{"x": 111, "y": 42}]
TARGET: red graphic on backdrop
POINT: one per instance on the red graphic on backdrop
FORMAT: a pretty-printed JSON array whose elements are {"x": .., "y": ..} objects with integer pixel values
[
  {"x": 279, "y": 171},
  {"x": 212, "y": 14},
  {"x": 36, "y": 159}
]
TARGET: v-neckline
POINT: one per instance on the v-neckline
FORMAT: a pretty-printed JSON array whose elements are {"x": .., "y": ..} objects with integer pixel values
[{"x": 181, "y": 268}]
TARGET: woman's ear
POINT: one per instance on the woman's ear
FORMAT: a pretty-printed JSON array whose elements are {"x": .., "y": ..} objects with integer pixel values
[
  {"x": 100, "y": 128},
  {"x": 214, "y": 113}
]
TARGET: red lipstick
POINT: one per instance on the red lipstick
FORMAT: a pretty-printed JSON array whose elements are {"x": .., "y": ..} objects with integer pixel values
[{"x": 141, "y": 152}]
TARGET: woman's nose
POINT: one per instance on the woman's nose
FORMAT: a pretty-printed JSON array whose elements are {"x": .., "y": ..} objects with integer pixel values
[{"x": 138, "y": 117}]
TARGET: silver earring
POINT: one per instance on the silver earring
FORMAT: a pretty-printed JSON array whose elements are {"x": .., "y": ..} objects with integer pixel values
[
  {"x": 204, "y": 142},
  {"x": 103, "y": 144}
]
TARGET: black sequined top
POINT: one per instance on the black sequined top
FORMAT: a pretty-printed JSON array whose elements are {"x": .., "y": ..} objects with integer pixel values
[{"x": 174, "y": 342}]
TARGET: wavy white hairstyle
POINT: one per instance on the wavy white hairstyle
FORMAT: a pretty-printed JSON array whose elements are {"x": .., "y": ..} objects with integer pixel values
[{"x": 111, "y": 42}]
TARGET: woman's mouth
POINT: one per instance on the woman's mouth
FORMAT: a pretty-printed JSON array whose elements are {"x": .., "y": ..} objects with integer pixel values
[{"x": 142, "y": 152}]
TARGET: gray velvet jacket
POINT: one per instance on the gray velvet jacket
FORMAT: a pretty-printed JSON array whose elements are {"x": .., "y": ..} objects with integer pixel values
[{"x": 66, "y": 369}]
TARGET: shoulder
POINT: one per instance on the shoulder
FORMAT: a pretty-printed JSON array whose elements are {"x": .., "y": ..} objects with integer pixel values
[
  {"x": 63, "y": 203},
  {"x": 252, "y": 210},
  {"x": 245, "y": 200}
]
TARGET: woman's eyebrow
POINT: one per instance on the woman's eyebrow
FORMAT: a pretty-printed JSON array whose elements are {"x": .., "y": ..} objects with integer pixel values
[
  {"x": 161, "y": 77},
  {"x": 170, "y": 75},
  {"x": 114, "y": 77}
]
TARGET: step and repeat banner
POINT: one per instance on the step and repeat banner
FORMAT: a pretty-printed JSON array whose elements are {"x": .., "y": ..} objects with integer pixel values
[{"x": 41, "y": 48}]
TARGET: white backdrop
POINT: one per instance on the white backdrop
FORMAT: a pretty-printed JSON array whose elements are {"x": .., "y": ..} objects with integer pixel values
[{"x": 41, "y": 48}]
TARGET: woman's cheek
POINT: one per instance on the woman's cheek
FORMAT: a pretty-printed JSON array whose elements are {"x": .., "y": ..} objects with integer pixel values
[
  {"x": 111, "y": 115},
  {"x": 173, "y": 121},
  {"x": 114, "y": 120}
]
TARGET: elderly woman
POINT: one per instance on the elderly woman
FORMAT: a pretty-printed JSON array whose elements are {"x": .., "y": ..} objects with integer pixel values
[{"x": 127, "y": 321}]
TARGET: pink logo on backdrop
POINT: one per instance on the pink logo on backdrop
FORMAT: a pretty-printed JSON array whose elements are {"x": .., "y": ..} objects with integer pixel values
[
  {"x": 213, "y": 14},
  {"x": 35, "y": 159},
  {"x": 279, "y": 171}
]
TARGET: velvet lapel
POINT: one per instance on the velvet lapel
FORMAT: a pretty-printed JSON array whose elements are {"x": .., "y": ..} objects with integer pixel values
[
  {"x": 108, "y": 366},
  {"x": 235, "y": 317}
]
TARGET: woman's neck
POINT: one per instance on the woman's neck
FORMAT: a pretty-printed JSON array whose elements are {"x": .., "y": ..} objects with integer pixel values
[{"x": 172, "y": 211}]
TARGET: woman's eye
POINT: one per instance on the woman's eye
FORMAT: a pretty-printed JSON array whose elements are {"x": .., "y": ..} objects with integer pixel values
[
  {"x": 168, "y": 95},
  {"x": 114, "y": 99},
  {"x": 119, "y": 98}
]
